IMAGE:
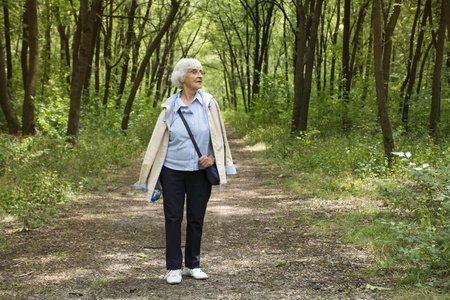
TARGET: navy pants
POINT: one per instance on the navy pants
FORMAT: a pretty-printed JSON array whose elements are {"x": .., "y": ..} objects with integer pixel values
[{"x": 196, "y": 189}]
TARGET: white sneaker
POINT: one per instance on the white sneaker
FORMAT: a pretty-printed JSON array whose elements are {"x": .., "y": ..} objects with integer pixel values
[
  {"x": 174, "y": 276},
  {"x": 197, "y": 273}
]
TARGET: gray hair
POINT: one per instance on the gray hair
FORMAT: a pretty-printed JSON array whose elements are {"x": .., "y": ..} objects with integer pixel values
[{"x": 181, "y": 68}]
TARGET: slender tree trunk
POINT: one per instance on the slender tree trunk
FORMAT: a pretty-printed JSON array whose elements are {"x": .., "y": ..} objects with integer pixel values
[
  {"x": 28, "y": 126},
  {"x": 424, "y": 64},
  {"x": 334, "y": 42},
  {"x": 150, "y": 49},
  {"x": 388, "y": 140},
  {"x": 300, "y": 49},
  {"x": 387, "y": 49},
  {"x": 415, "y": 62},
  {"x": 346, "y": 65},
  {"x": 435, "y": 113},
  {"x": 8, "y": 110},
  {"x": 93, "y": 43},
  {"x": 7, "y": 39},
  {"x": 98, "y": 42},
  {"x": 107, "y": 53},
  {"x": 24, "y": 50},
  {"x": 64, "y": 47},
  {"x": 88, "y": 15},
  {"x": 446, "y": 5},
  {"x": 47, "y": 45},
  {"x": 357, "y": 37},
  {"x": 130, "y": 37},
  {"x": 170, "y": 40}
]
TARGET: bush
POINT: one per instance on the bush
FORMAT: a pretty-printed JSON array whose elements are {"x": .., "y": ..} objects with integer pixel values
[
  {"x": 38, "y": 172},
  {"x": 422, "y": 198},
  {"x": 33, "y": 198}
]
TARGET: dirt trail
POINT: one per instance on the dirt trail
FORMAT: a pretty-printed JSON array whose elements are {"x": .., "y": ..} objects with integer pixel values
[{"x": 257, "y": 245}]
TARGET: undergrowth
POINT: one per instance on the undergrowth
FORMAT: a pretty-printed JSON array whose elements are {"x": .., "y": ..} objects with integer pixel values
[
  {"x": 39, "y": 172},
  {"x": 405, "y": 221}
]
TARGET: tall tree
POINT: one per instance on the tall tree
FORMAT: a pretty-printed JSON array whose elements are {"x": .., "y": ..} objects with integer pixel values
[
  {"x": 260, "y": 14},
  {"x": 334, "y": 41},
  {"x": 346, "y": 64},
  {"x": 63, "y": 42},
  {"x": 411, "y": 79},
  {"x": 28, "y": 126},
  {"x": 446, "y": 6},
  {"x": 435, "y": 113},
  {"x": 308, "y": 19},
  {"x": 387, "y": 48},
  {"x": 87, "y": 17},
  {"x": 8, "y": 110},
  {"x": 388, "y": 140},
  {"x": 107, "y": 54},
  {"x": 6, "y": 23},
  {"x": 130, "y": 37},
  {"x": 150, "y": 49}
]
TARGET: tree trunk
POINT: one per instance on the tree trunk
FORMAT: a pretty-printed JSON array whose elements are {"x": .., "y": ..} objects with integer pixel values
[
  {"x": 130, "y": 37},
  {"x": 7, "y": 39},
  {"x": 32, "y": 74},
  {"x": 107, "y": 53},
  {"x": 435, "y": 113},
  {"x": 388, "y": 140},
  {"x": 415, "y": 62},
  {"x": 446, "y": 5},
  {"x": 8, "y": 110},
  {"x": 387, "y": 49},
  {"x": 346, "y": 65},
  {"x": 150, "y": 49},
  {"x": 171, "y": 38},
  {"x": 88, "y": 15},
  {"x": 356, "y": 38},
  {"x": 306, "y": 40},
  {"x": 64, "y": 47},
  {"x": 93, "y": 43},
  {"x": 47, "y": 46},
  {"x": 24, "y": 50},
  {"x": 334, "y": 43}
]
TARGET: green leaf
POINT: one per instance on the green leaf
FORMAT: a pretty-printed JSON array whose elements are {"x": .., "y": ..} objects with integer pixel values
[{"x": 372, "y": 287}]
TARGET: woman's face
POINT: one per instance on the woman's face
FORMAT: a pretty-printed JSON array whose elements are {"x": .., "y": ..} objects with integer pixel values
[{"x": 193, "y": 79}]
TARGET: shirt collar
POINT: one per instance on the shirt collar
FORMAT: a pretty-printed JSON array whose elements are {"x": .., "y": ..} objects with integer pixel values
[{"x": 179, "y": 103}]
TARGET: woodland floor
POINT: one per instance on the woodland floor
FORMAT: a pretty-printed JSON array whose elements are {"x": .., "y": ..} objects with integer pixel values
[{"x": 258, "y": 243}]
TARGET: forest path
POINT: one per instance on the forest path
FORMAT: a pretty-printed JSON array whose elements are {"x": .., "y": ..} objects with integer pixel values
[{"x": 258, "y": 244}]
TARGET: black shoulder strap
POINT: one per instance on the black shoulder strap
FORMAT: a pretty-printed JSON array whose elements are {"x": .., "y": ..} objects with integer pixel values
[{"x": 190, "y": 133}]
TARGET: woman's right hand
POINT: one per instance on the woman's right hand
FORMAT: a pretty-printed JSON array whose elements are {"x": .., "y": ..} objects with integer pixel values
[{"x": 159, "y": 185}]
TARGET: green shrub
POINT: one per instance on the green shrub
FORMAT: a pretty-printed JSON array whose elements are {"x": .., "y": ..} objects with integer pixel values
[
  {"x": 38, "y": 172},
  {"x": 33, "y": 198},
  {"x": 422, "y": 197}
]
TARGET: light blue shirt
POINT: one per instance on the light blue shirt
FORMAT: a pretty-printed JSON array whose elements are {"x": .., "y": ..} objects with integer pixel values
[{"x": 181, "y": 154}]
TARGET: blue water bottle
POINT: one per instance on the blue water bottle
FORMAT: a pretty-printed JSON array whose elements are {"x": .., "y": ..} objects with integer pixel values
[{"x": 156, "y": 194}]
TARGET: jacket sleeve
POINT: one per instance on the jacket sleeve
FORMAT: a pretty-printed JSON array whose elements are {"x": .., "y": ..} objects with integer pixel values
[
  {"x": 151, "y": 154},
  {"x": 230, "y": 169}
]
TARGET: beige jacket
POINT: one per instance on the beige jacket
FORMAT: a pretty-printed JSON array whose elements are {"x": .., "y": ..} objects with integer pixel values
[{"x": 157, "y": 147}]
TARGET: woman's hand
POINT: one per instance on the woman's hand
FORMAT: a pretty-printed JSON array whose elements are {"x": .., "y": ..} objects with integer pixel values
[
  {"x": 159, "y": 185},
  {"x": 206, "y": 161}
]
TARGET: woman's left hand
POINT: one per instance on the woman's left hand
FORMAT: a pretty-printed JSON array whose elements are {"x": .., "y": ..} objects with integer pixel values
[{"x": 206, "y": 161}]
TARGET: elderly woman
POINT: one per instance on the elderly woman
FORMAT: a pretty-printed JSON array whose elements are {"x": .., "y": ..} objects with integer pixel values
[{"x": 171, "y": 164}]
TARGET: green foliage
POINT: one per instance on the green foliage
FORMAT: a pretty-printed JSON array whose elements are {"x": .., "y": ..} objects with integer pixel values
[
  {"x": 422, "y": 197},
  {"x": 273, "y": 105},
  {"x": 414, "y": 234},
  {"x": 39, "y": 172},
  {"x": 33, "y": 198}
]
